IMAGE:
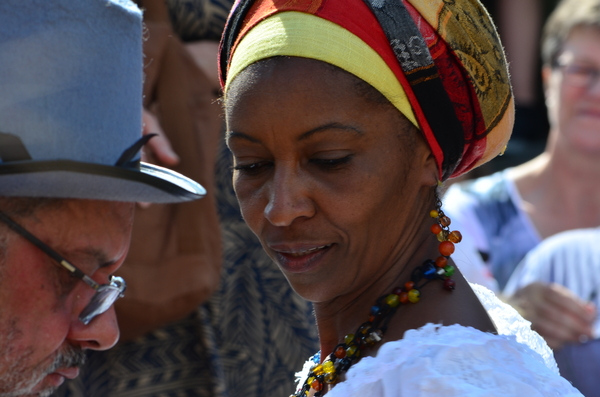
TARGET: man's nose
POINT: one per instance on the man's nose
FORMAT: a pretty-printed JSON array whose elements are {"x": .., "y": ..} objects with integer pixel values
[{"x": 100, "y": 334}]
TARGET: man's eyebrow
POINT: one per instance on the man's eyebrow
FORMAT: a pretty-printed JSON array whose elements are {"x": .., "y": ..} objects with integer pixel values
[
  {"x": 305, "y": 135},
  {"x": 98, "y": 257}
]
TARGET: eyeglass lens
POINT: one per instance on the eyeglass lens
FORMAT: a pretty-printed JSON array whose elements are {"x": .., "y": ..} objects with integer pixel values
[
  {"x": 580, "y": 75},
  {"x": 103, "y": 299}
]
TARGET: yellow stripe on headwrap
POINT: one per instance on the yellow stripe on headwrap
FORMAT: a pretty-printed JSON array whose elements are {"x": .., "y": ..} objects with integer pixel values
[{"x": 307, "y": 36}]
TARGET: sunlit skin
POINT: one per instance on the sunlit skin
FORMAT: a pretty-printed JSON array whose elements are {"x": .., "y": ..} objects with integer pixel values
[
  {"x": 338, "y": 189},
  {"x": 574, "y": 112},
  {"x": 42, "y": 303}
]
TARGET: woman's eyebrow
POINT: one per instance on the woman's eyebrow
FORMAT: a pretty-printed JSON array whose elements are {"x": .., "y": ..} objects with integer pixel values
[
  {"x": 330, "y": 126},
  {"x": 303, "y": 136},
  {"x": 240, "y": 135}
]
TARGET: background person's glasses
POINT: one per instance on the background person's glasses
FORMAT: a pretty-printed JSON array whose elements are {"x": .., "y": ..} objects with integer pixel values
[
  {"x": 106, "y": 294},
  {"x": 577, "y": 75}
]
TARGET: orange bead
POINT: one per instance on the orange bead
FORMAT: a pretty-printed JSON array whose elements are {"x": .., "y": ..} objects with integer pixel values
[
  {"x": 340, "y": 352},
  {"x": 455, "y": 237},
  {"x": 316, "y": 385},
  {"x": 445, "y": 221},
  {"x": 435, "y": 228},
  {"x": 441, "y": 261},
  {"x": 403, "y": 297},
  {"x": 446, "y": 248},
  {"x": 409, "y": 285},
  {"x": 434, "y": 214}
]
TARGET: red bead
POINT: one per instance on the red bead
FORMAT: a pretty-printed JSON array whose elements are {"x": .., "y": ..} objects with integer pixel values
[
  {"x": 403, "y": 297},
  {"x": 409, "y": 285},
  {"x": 449, "y": 284},
  {"x": 397, "y": 291},
  {"x": 435, "y": 228},
  {"x": 316, "y": 385},
  {"x": 446, "y": 248},
  {"x": 340, "y": 352},
  {"x": 441, "y": 261}
]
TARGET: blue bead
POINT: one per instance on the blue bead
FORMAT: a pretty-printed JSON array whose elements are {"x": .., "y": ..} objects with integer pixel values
[
  {"x": 429, "y": 270},
  {"x": 375, "y": 310}
]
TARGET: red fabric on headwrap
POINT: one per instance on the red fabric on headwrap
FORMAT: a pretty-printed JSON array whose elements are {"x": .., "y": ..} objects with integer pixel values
[{"x": 356, "y": 17}]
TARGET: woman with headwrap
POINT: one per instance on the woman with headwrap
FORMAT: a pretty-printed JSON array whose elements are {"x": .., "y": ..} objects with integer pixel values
[{"x": 343, "y": 116}]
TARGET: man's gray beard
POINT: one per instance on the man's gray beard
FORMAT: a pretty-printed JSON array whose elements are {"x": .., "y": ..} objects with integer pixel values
[{"x": 16, "y": 379}]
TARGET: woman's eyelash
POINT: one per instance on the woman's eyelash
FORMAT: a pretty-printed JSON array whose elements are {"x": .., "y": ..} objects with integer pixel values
[
  {"x": 332, "y": 163},
  {"x": 258, "y": 167},
  {"x": 251, "y": 168}
]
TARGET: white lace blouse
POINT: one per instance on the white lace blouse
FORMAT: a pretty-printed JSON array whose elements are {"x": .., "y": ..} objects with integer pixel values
[{"x": 460, "y": 361}]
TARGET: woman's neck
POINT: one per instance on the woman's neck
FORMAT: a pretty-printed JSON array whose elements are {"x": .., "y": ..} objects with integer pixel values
[{"x": 345, "y": 314}]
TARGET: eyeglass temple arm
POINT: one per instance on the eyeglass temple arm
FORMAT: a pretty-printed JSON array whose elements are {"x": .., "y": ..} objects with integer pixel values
[{"x": 51, "y": 253}]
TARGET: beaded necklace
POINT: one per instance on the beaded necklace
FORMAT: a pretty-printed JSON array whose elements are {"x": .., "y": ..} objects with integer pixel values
[{"x": 371, "y": 332}]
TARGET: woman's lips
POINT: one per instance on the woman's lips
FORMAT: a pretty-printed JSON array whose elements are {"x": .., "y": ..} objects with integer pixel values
[{"x": 301, "y": 258}]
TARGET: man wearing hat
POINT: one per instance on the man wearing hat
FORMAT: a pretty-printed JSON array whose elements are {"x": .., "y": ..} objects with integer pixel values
[{"x": 70, "y": 173}]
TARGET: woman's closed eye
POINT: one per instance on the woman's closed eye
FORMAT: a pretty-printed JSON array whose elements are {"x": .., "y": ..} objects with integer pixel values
[
  {"x": 331, "y": 164},
  {"x": 253, "y": 169}
]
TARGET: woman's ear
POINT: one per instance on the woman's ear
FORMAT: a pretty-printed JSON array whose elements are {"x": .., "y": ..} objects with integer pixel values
[
  {"x": 546, "y": 75},
  {"x": 430, "y": 174}
]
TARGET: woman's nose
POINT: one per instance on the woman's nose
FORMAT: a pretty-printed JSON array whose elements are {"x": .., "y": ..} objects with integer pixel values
[{"x": 289, "y": 198}]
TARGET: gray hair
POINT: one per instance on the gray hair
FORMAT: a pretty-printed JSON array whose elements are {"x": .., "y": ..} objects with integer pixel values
[{"x": 568, "y": 15}]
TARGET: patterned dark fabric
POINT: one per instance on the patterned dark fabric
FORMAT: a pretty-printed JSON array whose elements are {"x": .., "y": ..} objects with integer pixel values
[
  {"x": 422, "y": 73},
  {"x": 178, "y": 360},
  {"x": 199, "y": 19}
]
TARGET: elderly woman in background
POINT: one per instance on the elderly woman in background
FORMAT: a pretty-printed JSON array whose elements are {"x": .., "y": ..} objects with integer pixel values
[
  {"x": 343, "y": 116},
  {"x": 509, "y": 213}
]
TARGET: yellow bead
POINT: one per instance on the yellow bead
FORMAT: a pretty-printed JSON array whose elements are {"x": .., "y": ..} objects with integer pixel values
[
  {"x": 311, "y": 380},
  {"x": 414, "y": 295},
  {"x": 328, "y": 367},
  {"x": 348, "y": 338},
  {"x": 434, "y": 214},
  {"x": 442, "y": 236},
  {"x": 352, "y": 351},
  {"x": 392, "y": 300},
  {"x": 330, "y": 378},
  {"x": 318, "y": 370}
]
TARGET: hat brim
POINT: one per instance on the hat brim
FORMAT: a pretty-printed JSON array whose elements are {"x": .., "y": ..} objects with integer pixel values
[{"x": 73, "y": 179}]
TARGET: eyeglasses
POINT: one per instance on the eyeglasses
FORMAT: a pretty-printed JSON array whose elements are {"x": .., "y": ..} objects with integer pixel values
[
  {"x": 106, "y": 294},
  {"x": 581, "y": 76}
]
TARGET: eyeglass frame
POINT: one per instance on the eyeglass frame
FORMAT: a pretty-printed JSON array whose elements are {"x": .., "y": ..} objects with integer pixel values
[
  {"x": 97, "y": 305},
  {"x": 591, "y": 73}
]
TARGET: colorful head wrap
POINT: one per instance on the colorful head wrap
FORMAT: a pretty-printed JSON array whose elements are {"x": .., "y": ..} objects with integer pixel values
[{"x": 439, "y": 63}]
